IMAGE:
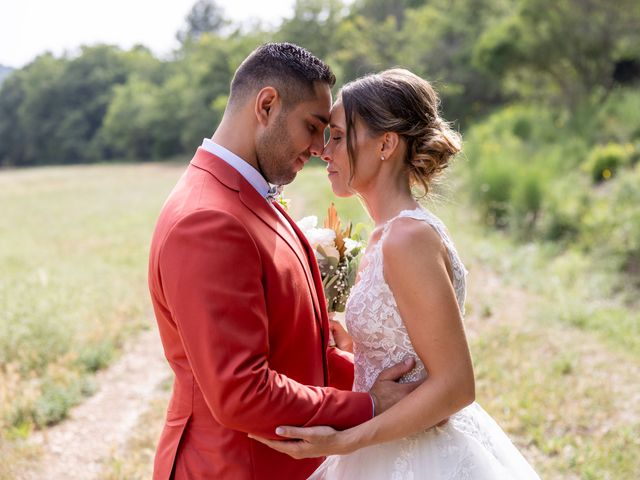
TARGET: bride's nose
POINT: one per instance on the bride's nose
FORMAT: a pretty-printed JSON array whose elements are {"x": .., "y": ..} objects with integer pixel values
[{"x": 325, "y": 155}]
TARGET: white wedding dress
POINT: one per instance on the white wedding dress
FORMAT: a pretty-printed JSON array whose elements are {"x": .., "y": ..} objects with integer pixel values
[{"x": 470, "y": 446}]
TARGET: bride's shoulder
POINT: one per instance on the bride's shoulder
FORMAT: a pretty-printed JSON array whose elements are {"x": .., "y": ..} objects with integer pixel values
[
  {"x": 410, "y": 238},
  {"x": 414, "y": 254}
]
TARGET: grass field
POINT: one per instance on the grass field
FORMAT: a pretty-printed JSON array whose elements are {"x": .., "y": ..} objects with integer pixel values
[
  {"x": 73, "y": 248},
  {"x": 556, "y": 363}
]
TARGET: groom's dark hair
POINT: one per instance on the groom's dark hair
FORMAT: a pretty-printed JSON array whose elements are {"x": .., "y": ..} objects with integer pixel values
[{"x": 290, "y": 69}]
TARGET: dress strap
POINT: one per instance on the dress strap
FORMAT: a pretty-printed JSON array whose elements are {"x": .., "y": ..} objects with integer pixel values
[
  {"x": 459, "y": 270},
  {"x": 416, "y": 213}
]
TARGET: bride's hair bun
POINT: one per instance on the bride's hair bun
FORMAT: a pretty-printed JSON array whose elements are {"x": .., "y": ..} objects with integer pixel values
[
  {"x": 399, "y": 101},
  {"x": 432, "y": 151}
]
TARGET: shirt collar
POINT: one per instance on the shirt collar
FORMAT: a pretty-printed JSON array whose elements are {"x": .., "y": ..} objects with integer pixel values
[{"x": 252, "y": 176}]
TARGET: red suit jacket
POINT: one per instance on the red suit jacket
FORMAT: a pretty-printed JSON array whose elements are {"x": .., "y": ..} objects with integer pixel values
[{"x": 240, "y": 308}]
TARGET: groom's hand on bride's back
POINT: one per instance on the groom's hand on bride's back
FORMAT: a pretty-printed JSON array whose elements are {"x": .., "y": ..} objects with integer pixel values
[{"x": 386, "y": 391}]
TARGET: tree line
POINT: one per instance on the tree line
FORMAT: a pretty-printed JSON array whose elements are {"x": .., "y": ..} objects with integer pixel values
[{"x": 105, "y": 103}]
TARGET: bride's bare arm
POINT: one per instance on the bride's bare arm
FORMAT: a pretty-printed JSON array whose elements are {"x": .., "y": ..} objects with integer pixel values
[{"x": 417, "y": 269}]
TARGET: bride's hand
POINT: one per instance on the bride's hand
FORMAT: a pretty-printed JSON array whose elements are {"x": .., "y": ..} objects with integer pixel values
[
  {"x": 341, "y": 337},
  {"x": 309, "y": 442}
]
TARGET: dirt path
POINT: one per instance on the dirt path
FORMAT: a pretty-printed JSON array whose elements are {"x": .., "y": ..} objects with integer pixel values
[
  {"x": 596, "y": 362},
  {"x": 77, "y": 447}
]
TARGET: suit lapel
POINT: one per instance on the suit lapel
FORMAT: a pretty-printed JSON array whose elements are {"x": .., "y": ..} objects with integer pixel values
[
  {"x": 261, "y": 208},
  {"x": 317, "y": 290},
  {"x": 313, "y": 272},
  {"x": 300, "y": 246}
]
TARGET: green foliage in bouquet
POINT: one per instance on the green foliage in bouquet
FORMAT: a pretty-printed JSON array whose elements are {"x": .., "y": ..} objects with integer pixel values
[
  {"x": 337, "y": 252},
  {"x": 339, "y": 272}
]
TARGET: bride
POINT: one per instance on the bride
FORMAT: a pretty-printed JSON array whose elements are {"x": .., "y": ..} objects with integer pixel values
[{"x": 386, "y": 139}]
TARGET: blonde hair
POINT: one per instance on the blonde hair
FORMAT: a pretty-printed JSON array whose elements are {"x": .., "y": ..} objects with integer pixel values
[{"x": 399, "y": 101}]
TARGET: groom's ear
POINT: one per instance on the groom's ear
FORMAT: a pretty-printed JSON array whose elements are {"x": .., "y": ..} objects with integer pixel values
[{"x": 266, "y": 104}]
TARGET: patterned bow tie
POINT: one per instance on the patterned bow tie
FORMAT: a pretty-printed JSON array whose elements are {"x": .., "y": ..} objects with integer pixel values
[{"x": 274, "y": 192}]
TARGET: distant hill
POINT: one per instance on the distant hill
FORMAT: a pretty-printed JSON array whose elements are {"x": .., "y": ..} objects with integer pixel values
[{"x": 4, "y": 72}]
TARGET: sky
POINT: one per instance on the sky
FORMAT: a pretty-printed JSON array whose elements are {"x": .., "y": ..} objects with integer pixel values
[{"x": 31, "y": 27}]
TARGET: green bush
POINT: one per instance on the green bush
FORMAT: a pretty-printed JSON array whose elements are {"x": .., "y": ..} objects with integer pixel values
[
  {"x": 566, "y": 202},
  {"x": 58, "y": 398},
  {"x": 53, "y": 405},
  {"x": 97, "y": 356},
  {"x": 509, "y": 166},
  {"x": 612, "y": 226},
  {"x": 527, "y": 198},
  {"x": 491, "y": 187},
  {"x": 605, "y": 160},
  {"x": 618, "y": 120},
  {"x": 532, "y": 171}
]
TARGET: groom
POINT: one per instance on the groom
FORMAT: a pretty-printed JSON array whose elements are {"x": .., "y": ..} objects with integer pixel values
[{"x": 237, "y": 293}]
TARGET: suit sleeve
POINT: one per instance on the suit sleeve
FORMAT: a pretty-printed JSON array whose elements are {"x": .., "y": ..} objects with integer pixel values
[
  {"x": 211, "y": 277},
  {"x": 340, "y": 368}
]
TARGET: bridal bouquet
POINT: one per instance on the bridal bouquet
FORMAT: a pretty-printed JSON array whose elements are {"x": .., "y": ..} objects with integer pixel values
[{"x": 338, "y": 253}]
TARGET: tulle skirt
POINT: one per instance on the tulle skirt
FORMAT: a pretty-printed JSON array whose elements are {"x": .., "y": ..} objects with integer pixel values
[{"x": 470, "y": 446}]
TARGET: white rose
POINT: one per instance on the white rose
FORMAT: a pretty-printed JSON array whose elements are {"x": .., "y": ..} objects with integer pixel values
[
  {"x": 321, "y": 236},
  {"x": 349, "y": 245},
  {"x": 307, "y": 223}
]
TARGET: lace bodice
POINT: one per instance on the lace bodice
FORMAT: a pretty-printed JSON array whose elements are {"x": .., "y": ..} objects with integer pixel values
[
  {"x": 380, "y": 338},
  {"x": 470, "y": 445}
]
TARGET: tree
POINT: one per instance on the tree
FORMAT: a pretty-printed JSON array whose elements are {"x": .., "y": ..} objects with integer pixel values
[
  {"x": 380, "y": 10},
  {"x": 562, "y": 50},
  {"x": 127, "y": 130},
  {"x": 313, "y": 25},
  {"x": 30, "y": 103},
  {"x": 12, "y": 138},
  {"x": 86, "y": 89},
  {"x": 437, "y": 43},
  {"x": 364, "y": 47},
  {"x": 4, "y": 73},
  {"x": 54, "y": 107},
  {"x": 206, "y": 16}
]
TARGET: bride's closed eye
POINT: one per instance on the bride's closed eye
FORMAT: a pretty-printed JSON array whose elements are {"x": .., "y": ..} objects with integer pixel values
[{"x": 336, "y": 135}]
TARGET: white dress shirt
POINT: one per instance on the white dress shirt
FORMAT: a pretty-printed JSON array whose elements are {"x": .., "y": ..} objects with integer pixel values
[{"x": 252, "y": 176}]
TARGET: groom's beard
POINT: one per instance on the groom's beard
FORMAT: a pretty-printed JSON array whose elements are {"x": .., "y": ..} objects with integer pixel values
[{"x": 275, "y": 155}]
